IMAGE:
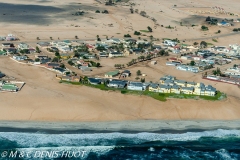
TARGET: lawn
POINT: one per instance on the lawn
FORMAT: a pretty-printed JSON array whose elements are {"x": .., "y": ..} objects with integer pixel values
[
  {"x": 144, "y": 31},
  {"x": 209, "y": 44},
  {"x": 158, "y": 96},
  {"x": 214, "y": 40}
]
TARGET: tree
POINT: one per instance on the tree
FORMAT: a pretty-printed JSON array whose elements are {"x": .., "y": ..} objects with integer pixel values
[
  {"x": 51, "y": 38},
  {"x": 57, "y": 54},
  {"x": 97, "y": 11},
  {"x": 55, "y": 59},
  {"x": 148, "y": 57},
  {"x": 62, "y": 66},
  {"x": 37, "y": 59},
  {"x": 143, "y": 80},
  {"x": 76, "y": 54},
  {"x": 38, "y": 38},
  {"x": 219, "y": 31},
  {"x": 143, "y": 13},
  {"x": 166, "y": 54},
  {"x": 204, "y": 28},
  {"x": 195, "y": 43},
  {"x": 137, "y": 33},
  {"x": 208, "y": 19},
  {"x": 100, "y": 48},
  {"x": 76, "y": 37},
  {"x": 149, "y": 29},
  {"x": 217, "y": 72},
  {"x": 131, "y": 10},
  {"x": 192, "y": 63},
  {"x": 98, "y": 65},
  {"x": 37, "y": 50},
  {"x": 127, "y": 35},
  {"x": 139, "y": 73},
  {"x": 98, "y": 39},
  {"x": 70, "y": 47},
  {"x": 70, "y": 63},
  {"x": 105, "y": 11},
  {"x": 203, "y": 44},
  {"x": 235, "y": 30}
]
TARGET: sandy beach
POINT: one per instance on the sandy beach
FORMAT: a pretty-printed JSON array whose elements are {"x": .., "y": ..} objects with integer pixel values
[{"x": 156, "y": 126}]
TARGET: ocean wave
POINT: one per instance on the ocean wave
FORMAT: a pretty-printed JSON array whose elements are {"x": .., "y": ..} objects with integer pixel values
[{"x": 36, "y": 140}]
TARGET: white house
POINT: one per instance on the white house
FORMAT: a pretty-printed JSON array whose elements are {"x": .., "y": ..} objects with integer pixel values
[
  {"x": 19, "y": 58},
  {"x": 115, "y": 54},
  {"x": 23, "y": 46},
  {"x": 169, "y": 43},
  {"x": 138, "y": 86}
]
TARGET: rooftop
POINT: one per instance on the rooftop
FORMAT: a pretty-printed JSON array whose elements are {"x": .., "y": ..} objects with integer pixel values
[{"x": 112, "y": 73}]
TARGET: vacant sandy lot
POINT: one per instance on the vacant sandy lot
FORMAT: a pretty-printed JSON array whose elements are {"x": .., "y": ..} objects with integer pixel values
[{"x": 43, "y": 98}]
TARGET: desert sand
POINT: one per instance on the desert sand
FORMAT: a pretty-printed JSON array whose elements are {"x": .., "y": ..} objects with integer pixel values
[{"x": 44, "y": 99}]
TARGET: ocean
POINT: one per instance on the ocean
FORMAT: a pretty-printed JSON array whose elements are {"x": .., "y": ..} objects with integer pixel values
[{"x": 218, "y": 144}]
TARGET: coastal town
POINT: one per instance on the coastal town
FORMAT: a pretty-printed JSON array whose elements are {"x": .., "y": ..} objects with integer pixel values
[{"x": 84, "y": 57}]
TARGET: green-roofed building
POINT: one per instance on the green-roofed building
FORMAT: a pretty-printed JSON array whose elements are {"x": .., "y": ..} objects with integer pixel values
[
  {"x": 9, "y": 87},
  {"x": 112, "y": 74},
  {"x": 67, "y": 42},
  {"x": 3, "y": 53}
]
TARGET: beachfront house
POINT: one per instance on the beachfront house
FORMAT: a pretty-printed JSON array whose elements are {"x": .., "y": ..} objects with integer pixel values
[
  {"x": 112, "y": 74},
  {"x": 94, "y": 81},
  {"x": 199, "y": 89},
  {"x": 154, "y": 87},
  {"x": 164, "y": 89},
  {"x": 190, "y": 84},
  {"x": 19, "y": 58},
  {"x": 59, "y": 70},
  {"x": 137, "y": 86},
  {"x": 175, "y": 89},
  {"x": 210, "y": 90},
  {"x": 187, "y": 90},
  {"x": 117, "y": 84},
  {"x": 170, "y": 79},
  {"x": 181, "y": 83},
  {"x": 169, "y": 82}
]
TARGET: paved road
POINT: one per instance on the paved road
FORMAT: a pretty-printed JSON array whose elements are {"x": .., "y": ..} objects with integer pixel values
[{"x": 211, "y": 37}]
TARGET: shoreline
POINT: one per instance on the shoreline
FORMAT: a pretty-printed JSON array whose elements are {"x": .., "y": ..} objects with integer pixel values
[{"x": 130, "y": 127}]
